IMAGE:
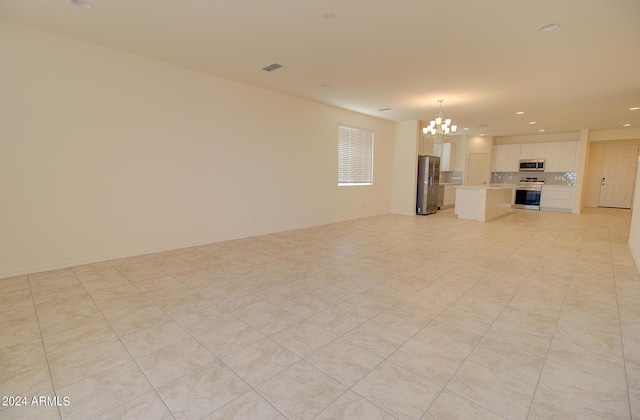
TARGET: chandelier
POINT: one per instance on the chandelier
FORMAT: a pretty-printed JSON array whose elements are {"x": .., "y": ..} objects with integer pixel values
[{"x": 440, "y": 127}]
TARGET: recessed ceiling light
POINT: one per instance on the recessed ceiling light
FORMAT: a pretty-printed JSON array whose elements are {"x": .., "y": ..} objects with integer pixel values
[
  {"x": 466, "y": 128},
  {"x": 82, "y": 4},
  {"x": 325, "y": 85},
  {"x": 385, "y": 109},
  {"x": 541, "y": 130},
  {"x": 519, "y": 112},
  {"x": 531, "y": 122},
  {"x": 634, "y": 108},
  {"x": 329, "y": 15},
  {"x": 548, "y": 28},
  {"x": 626, "y": 125}
]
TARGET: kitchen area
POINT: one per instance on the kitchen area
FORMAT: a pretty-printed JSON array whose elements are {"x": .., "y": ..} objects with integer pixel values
[
  {"x": 538, "y": 176},
  {"x": 543, "y": 174}
]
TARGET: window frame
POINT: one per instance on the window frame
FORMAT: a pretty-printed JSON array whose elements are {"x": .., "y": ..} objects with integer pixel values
[{"x": 361, "y": 155}]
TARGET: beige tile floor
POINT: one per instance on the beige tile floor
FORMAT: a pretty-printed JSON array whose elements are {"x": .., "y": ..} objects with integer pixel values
[{"x": 534, "y": 315}]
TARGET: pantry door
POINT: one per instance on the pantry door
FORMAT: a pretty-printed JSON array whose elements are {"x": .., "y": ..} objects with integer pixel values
[
  {"x": 618, "y": 175},
  {"x": 477, "y": 168}
]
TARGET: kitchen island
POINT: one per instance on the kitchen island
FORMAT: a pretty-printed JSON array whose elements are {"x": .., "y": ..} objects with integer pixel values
[{"x": 483, "y": 202}]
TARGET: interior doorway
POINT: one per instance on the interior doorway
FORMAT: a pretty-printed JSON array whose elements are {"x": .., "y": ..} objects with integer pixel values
[
  {"x": 477, "y": 168},
  {"x": 618, "y": 175}
]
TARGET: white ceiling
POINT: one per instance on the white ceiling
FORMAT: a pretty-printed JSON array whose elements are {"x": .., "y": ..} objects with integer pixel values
[{"x": 486, "y": 59}]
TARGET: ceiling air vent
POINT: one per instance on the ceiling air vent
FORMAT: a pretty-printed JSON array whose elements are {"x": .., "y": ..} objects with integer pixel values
[{"x": 272, "y": 67}]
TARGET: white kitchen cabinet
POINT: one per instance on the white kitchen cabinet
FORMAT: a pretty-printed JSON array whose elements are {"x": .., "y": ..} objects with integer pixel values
[
  {"x": 558, "y": 156},
  {"x": 552, "y": 157},
  {"x": 532, "y": 150},
  {"x": 513, "y": 158},
  {"x": 437, "y": 151},
  {"x": 449, "y": 196},
  {"x": 556, "y": 197},
  {"x": 507, "y": 158},
  {"x": 500, "y": 156},
  {"x": 561, "y": 156},
  {"x": 568, "y": 151},
  {"x": 448, "y": 159}
]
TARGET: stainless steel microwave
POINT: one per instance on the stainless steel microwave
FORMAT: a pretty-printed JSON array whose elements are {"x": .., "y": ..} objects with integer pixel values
[{"x": 527, "y": 165}]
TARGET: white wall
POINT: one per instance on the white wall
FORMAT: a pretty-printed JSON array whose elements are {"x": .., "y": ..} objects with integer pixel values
[
  {"x": 405, "y": 168},
  {"x": 105, "y": 154},
  {"x": 634, "y": 233},
  {"x": 617, "y": 134},
  {"x": 593, "y": 174},
  {"x": 581, "y": 163},
  {"x": 479, "y": 144}
]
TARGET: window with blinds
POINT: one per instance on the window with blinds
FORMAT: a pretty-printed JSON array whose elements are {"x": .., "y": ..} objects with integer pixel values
[{"x": 355, "y": 156}]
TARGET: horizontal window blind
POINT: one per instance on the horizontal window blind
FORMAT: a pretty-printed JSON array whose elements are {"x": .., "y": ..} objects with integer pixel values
[{"x": 355, "y": 156}]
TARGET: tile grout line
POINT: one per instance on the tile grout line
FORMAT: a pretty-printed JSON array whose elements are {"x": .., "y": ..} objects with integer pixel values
[
  {"x": 622, "y": 340},
  {"x": 46, "y": 355},
  {"x": 133, "y": 359},
  {"x": 546, "y": 357}
]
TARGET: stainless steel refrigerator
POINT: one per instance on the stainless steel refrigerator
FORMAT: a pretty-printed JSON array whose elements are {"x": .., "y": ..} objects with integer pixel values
[{"x": 428, "y": 184}]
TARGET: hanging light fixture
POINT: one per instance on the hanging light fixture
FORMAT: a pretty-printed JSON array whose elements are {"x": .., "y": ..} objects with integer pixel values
[{"x": 440, "y": 127}]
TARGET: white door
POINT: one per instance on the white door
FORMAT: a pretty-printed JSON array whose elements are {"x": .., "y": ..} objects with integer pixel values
[
  {"x": 477, "y": 168},
  {"x": 618, "y": 176}
]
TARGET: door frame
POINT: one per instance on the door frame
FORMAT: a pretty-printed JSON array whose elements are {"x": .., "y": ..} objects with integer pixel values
[
  {"x": 602, "y": 172},
  {"x": 486, "y": 178}
]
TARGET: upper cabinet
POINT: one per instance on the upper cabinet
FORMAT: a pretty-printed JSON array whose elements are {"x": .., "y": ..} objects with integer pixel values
[
  {"x": 448, "y": 157},
  {"x": 500, "y": 157},
  {"x": 552, "y": 158},
  {"x": 506, "y": 158},
  {"x": 513, "y": 157},
  {"x": 437, "y": 149},
  {"x": 561, "y": 157},
  {"x": 533, "y": 150},
  {"x": 558, "y": 156},
  {"x": 568, "y": 152}
]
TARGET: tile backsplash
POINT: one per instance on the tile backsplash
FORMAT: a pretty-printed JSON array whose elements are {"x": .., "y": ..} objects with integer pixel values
[
  {"x": 550, "y": 178},
  {"x": 451, "y": 177}
]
